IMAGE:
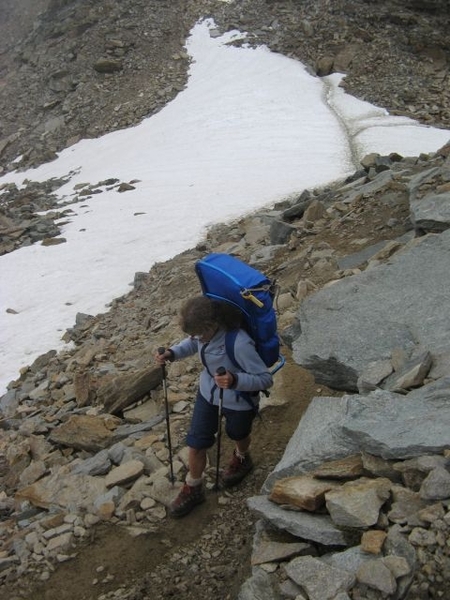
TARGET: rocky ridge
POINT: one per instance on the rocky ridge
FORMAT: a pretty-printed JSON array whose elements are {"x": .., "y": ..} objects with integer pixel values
[
  {"x": 121, "y": 458},
  {"x": 79, "y": 69}
]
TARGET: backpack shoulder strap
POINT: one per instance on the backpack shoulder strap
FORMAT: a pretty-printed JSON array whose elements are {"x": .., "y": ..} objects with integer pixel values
[{"x": 230, "y": 339}]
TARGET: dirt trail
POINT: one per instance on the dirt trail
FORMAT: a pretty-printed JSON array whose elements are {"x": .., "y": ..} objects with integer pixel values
[{"x": 151, "y": 566}]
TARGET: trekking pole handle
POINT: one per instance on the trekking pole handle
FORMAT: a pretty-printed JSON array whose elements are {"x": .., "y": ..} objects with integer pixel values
[
  {"x": 221, "y": 371},
  {"x": 161, "y": 351}
]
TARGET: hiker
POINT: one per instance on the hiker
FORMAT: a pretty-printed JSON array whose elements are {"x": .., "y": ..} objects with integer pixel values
[{"x": 206, "y": 322}]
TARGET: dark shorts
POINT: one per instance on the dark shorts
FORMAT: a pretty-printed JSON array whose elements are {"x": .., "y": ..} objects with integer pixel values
[{"x": 204, "y": 424}]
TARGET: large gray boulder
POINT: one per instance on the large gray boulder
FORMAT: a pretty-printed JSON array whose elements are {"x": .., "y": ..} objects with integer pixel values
[
  {"x": 402, "y": 305},
  {"x": 429, "y": 200}
]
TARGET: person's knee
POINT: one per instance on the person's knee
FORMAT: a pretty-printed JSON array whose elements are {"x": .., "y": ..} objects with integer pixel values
[
  {"x": 197, "y": 452},
  {"x": 240, "y": 429},
  {"x": 200, "y": 443}
]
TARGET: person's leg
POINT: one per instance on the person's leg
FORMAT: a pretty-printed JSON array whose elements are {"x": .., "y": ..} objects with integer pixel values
[
  {"x": 199, "y": 439},
  {"x": 197, "y": 463},
  {"x": 238, "y": 428},
  {"x": 242, "y": 446}
]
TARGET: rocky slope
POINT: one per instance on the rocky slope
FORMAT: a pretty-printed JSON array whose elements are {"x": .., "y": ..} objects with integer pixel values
[
  {"x": 84, "y": 447},
  {"x": 57, "y": 549}
]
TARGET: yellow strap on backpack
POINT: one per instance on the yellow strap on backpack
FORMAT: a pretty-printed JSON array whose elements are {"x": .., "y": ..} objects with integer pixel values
[{"x": 249, "y": 296}]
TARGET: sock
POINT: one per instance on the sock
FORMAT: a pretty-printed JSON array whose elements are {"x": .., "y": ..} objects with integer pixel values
[
  {"x": 240, "y": 456},
  {"x": 193, "y": 482}
]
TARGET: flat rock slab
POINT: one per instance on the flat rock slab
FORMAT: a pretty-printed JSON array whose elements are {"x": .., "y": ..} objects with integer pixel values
[
  {"x": 313, "y": 527},
  {"x": 381, "y": 423}
]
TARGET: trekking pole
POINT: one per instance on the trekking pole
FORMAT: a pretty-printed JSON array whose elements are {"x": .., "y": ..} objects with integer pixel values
[
  {"x": 166, "y": 402},
  {"x": 220, "y": 371}
]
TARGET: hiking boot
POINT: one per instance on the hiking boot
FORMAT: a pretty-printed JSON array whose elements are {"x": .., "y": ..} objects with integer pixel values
[
  {"x": 237, "y": 470},
  {"x": 186, "y": 500}
]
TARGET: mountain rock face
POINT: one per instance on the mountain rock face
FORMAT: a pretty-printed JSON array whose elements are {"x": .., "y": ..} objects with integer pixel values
[
  {"x": 81, "y": 68},
  {"x": 350, "y": 497}
]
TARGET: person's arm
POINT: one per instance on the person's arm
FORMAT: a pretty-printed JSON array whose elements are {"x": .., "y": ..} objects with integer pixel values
[{"x": 186, "y": 347}]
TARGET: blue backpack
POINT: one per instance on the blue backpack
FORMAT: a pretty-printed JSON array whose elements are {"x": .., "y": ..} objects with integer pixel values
[{"x": 226, "y": 278}]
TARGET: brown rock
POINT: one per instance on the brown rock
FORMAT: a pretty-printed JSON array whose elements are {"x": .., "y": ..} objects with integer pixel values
[
  {"x": 379, "y": 467},
  {"x": 53, "y": 241},
  {"x": 82, "y": 388},
  {"x": 107, "y": 65},
  {"x": 270, "y": 551},
  {"x": 350, "y": 467},
  {"x": 124, "y": 390},
  {"x": 304, "y": 492},
  {"x": 372, "y": 541},
  {"x": 124, "y": 474},
  {"x": 357, "y": 503},
  {"x": 63, "y": 490},
  {"x": 84, "y": 432}
]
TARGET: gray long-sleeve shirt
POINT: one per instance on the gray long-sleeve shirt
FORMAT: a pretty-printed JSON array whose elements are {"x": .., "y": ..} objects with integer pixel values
[{"x": 252, "y": 377}]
